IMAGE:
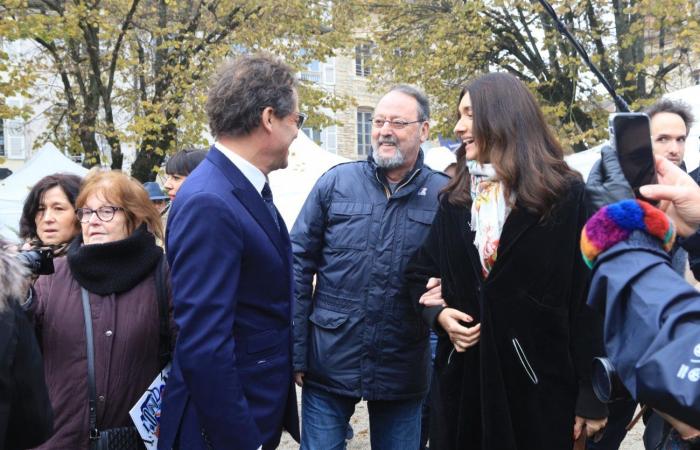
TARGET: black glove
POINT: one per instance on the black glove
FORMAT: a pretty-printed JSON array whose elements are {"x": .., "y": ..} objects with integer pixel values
[{"x": 606, "y": 183}]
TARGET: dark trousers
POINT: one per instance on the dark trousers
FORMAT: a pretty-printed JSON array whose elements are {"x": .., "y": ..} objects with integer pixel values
[{"x": 425, "y": 412}]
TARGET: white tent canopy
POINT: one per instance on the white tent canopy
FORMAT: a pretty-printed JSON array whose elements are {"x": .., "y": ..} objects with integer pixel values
[
  {"x": 583, "y": 161},
  {"x": 14, "y": 189},
  {"x": 291, "y": 186}
]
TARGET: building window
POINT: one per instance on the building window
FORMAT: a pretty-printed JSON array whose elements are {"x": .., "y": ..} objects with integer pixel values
[
  {"x": 325, "y": 137},
  {"x": 329, "y": 141},
  {"x": 312, "y": 72},
  {"x": 364, "y": 132},
  {"x": 313, "y": 133},
  {"x": 329, "y": 71},
  {"x": 13, "y": 139},
  {"x": 363, "y": 52}
]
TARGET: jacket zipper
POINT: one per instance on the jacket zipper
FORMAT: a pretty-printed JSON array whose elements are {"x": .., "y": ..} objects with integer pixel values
[{"x": 387, "y": 192}]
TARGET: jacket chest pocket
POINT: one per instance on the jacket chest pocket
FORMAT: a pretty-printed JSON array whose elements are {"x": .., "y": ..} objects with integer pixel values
[
  {"x": 417, "y": 228},
  {"x": 348, "y": 225}
]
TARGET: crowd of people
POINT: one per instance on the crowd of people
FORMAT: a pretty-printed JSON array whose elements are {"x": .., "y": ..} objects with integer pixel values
[{"x": 522, "y": 271}]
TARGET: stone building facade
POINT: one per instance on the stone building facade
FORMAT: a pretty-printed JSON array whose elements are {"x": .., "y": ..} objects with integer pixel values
[{"x": 346, "y": 75}]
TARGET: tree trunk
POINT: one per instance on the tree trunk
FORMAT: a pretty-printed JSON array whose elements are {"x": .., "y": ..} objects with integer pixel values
[{"x": 152, "y": 153}]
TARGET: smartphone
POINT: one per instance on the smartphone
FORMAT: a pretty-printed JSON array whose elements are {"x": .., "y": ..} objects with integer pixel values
[{"x": 630, "y": 134}]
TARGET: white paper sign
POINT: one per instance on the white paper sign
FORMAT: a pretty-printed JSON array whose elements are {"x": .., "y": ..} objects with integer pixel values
[{"x": 146, "y": 411}]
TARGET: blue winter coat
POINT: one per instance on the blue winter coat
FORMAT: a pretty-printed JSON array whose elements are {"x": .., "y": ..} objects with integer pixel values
[
  {"x": 652, "y": 325},
  {"x": 357, "y": 334}
]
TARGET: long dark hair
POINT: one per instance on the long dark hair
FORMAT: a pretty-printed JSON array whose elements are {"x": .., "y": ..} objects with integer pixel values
[
  {"x": 69, "y": 184},
  {"x": 511, "y": 133}
]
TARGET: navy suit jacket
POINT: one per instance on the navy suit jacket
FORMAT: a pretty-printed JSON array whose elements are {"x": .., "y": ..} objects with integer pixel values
[{"x": 231, "y": 386}]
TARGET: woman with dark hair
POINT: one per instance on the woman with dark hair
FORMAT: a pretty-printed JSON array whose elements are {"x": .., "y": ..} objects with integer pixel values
[
  {"x": 512, "y": 366},
  {"x": 48, "y": 216},
  {"x": 103, "y": 317},
  {"x": 179, "y": 166}
]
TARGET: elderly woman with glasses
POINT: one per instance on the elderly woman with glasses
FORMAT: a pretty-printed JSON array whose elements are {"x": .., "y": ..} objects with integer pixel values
[{"x": 111, "y": 289}]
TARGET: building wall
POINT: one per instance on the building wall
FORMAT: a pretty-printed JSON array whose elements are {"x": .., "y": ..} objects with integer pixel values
[
  {"x": 19, "y": 136},
  {"x": 346, "y": 83}
]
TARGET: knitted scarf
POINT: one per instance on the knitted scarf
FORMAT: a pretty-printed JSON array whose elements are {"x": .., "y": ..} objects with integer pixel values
[{"x": 114, "y": 267}]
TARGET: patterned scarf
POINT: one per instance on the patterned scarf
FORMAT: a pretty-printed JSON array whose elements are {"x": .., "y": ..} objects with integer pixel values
[
  {"x": 489, "y": 212},
  {"x": 57, "y": 250}
]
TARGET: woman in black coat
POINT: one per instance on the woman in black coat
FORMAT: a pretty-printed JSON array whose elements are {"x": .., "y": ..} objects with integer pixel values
[
  {"x": 512, "y": 367},
  {"x": 26, "y": 417}
]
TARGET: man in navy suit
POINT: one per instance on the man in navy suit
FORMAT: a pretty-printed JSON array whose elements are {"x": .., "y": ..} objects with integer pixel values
[{"x": 228, "y": 248}]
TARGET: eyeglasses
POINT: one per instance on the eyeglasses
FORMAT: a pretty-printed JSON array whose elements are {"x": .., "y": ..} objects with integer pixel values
[
  {"x": 393, "y": 124},
  {"x": 301, "y": 118},
  {"x": 104, "y": 213}
]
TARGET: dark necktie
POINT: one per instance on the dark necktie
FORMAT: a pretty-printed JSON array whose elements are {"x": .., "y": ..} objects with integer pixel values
[{"x": 267, "y": 196}]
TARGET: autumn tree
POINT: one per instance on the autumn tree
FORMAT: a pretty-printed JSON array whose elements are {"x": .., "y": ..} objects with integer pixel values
[
  {"x": 134, "y": 72},
  {"x": 637, "y": 44}
]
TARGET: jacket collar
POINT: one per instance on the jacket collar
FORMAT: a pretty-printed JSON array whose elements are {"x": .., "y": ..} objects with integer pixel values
[
  {"x": 252, "y": 201},
  {"x": 407, "y": 184}
]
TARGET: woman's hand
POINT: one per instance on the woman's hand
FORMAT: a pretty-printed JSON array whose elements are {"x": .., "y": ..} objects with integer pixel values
[
  {"x": 462, "y": 337},
  {"x": 593, "y": 426},
  {"x": 433, "y": 295}
]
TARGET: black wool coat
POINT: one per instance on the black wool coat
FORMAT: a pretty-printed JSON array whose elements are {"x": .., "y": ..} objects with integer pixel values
[
  {"x": 522, "y": 384},
  {"x": 26, "y": 417}
]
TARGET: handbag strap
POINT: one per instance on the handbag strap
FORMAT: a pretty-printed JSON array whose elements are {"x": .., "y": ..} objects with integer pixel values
[
  {"x": 164, "y": 350},
  {"x": 92, "y": 400}
]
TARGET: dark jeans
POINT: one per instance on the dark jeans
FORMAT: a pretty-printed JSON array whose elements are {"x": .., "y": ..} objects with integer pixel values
[
  {"x": 425, "y": 412},
  {"x": 394, "y": 425}
]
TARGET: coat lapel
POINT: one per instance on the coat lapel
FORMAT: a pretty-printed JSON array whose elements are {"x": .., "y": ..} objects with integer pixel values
[
  {"x": 463, "y": 215},
  {"x": 518, "y": 222},
  {"x": 252, "y": 201}
]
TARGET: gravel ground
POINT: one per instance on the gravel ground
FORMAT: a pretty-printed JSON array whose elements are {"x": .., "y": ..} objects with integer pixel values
[{"x": 360, "y": 425}]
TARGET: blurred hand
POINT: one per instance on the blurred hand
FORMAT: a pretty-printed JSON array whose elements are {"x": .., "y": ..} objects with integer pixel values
[
  {"x": 686, "y": 431},
  {"x": 606, "y": 183},
  {"x": 433, "y": 295},
  {"x": 679, "y": 196},
  {"x": 592, "y": 426},
  {"x": 462, "y": 337},
  {"x": 299, "y": 378}
]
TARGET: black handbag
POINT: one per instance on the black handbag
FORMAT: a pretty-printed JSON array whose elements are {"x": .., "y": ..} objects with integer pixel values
[{"x": 124, "y": 438}]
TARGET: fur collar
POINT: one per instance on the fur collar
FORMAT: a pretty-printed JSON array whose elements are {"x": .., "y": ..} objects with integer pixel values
[{"x": 14, "y": 277}]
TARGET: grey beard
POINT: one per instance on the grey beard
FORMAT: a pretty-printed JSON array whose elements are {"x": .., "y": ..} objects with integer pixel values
[{"x": 393, "y": 162}]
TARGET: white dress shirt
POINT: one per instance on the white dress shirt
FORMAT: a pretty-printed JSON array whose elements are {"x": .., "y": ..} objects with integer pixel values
[{"x": 252, "y": 173}]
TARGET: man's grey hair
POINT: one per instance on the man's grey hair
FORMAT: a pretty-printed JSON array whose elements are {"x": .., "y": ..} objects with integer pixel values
[
  {"x": 421, "y": 99},
  {"x": 243, "y": 88},
  {"x": 677, "y": 107}
]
